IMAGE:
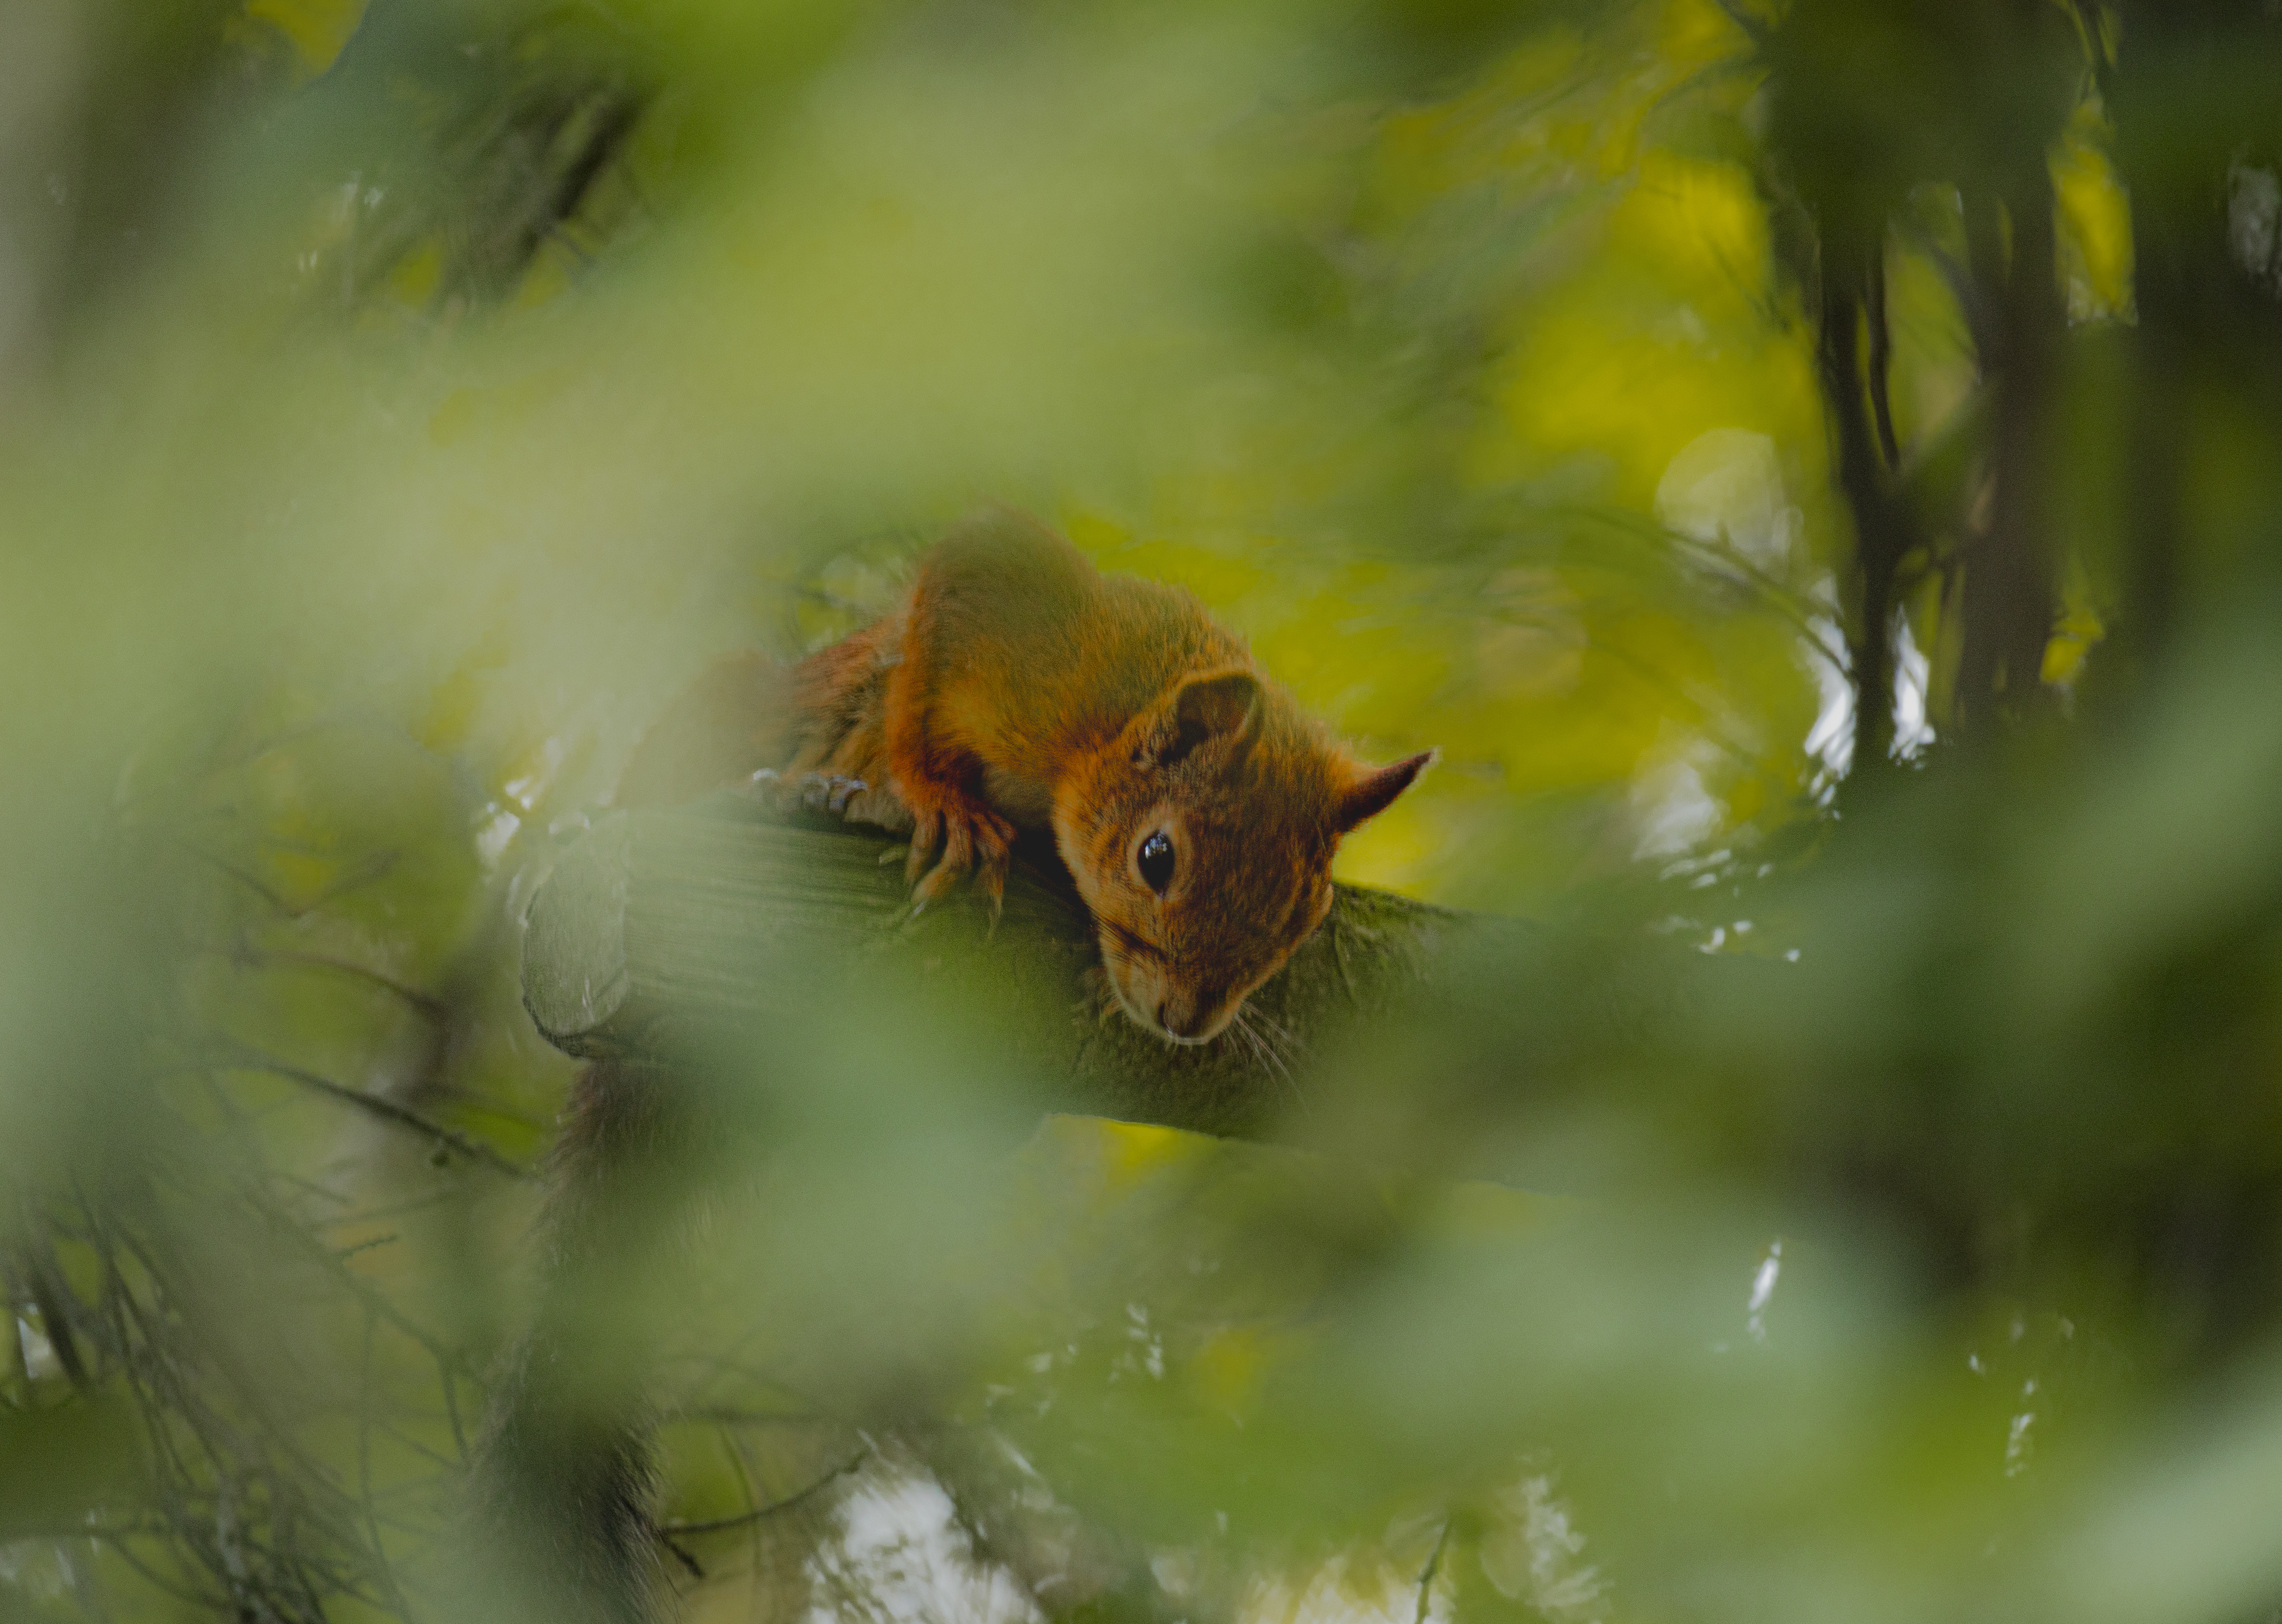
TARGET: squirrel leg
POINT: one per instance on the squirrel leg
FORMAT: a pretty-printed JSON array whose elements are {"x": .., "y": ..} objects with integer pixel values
[
  {"x": 936, "y": 772},
  {"x": 971, "y": 839}
]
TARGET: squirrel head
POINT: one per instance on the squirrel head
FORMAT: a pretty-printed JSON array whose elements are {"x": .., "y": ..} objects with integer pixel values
[{"x": 1201, "y": 838}]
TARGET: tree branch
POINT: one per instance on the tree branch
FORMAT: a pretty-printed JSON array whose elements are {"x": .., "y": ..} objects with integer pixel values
[{"x": 651, "y": 929}]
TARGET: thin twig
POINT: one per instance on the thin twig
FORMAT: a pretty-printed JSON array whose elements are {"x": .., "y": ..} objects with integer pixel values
[
  {"x": 217, "y": 1605},
  {"x": 388, "y": 1110},
  {"x": 721, "y": 1525},
  {"x": 1881, "y": 355},
  {"x": 444, "y": 1378},
  {"x": 378, "y": 1303},
  {"x": 251, "y": 953},
  {"x": 1714, "y": 733},
  {"x": 55, "y": 1318},
  {"x": 1433, "y": 1567},
  {"x": 374, "y": 868},
  {"x": 364, "y": 1469},
  {"x": 696, "y": 1569},
  {"x": 1781, "y": 599}
]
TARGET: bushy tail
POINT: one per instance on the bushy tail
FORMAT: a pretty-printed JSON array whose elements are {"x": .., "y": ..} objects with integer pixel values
[{"x": 561, "y": 1524}]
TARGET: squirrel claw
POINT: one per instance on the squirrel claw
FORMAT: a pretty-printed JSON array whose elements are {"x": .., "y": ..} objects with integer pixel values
[
  {"x": 933, "y": 889},
  {"x": 974, "y": 841},
  {"x": 811, "y": 791},
  {"x": 957, "y": 858},
  {"x": 990, "y": 884},
  {"x": 926, "y": 834}
]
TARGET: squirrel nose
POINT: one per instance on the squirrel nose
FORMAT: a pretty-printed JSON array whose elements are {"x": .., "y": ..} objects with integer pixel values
[{"x": 1187, "y": 1027}]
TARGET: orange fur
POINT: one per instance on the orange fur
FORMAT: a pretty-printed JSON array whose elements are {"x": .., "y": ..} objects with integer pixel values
[{"x": 1018, "y": 687}]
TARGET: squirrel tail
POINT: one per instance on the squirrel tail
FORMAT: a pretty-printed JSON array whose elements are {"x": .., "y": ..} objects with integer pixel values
[{"x": 561, "y": 1527}]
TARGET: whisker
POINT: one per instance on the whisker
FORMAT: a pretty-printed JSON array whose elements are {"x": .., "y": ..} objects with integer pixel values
[
  {"x": 1250, "y": 1039},
  {"x": 1264, "y": 1051},
  {"x": 1276, "y": 1029},
  {"x": 1106, "y": 1005},
  {"x": 1274, "y": 1038}
]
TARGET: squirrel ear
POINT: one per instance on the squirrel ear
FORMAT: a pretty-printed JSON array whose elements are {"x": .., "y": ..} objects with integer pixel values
[
  {"x": 1225, "y": 704},
  {"x": 1373, "y": 792}
]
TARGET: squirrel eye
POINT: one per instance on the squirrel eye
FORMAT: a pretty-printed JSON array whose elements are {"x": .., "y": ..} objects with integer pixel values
[{"x": 1156, "y": 862}]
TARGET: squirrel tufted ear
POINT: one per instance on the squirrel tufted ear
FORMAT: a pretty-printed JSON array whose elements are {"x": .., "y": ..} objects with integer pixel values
[
  {"x": 1370, "y": 793},
  {"x": 1225, "y": 704}
]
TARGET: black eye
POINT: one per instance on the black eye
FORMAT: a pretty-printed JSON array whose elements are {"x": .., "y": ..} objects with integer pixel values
[{"x": 1157, "y": 862}]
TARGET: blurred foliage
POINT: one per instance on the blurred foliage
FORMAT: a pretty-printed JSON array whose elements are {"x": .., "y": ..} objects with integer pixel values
[{"x": 1811, "y": 469}]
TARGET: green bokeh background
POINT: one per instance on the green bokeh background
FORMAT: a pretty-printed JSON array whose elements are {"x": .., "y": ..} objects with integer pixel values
[{"x": 399, "y": 404}]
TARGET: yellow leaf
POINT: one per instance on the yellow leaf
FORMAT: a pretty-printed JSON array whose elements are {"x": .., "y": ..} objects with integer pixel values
[{"x": 317, "y": 29}]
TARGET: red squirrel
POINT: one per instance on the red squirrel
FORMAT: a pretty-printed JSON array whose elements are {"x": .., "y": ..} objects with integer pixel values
[{"x": 1016, "y": 686}]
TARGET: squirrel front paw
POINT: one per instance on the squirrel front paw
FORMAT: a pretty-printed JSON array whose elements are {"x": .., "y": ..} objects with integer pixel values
[
  {"x": 807, "y": 791},
  {"x": 971, "y": 839}
]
